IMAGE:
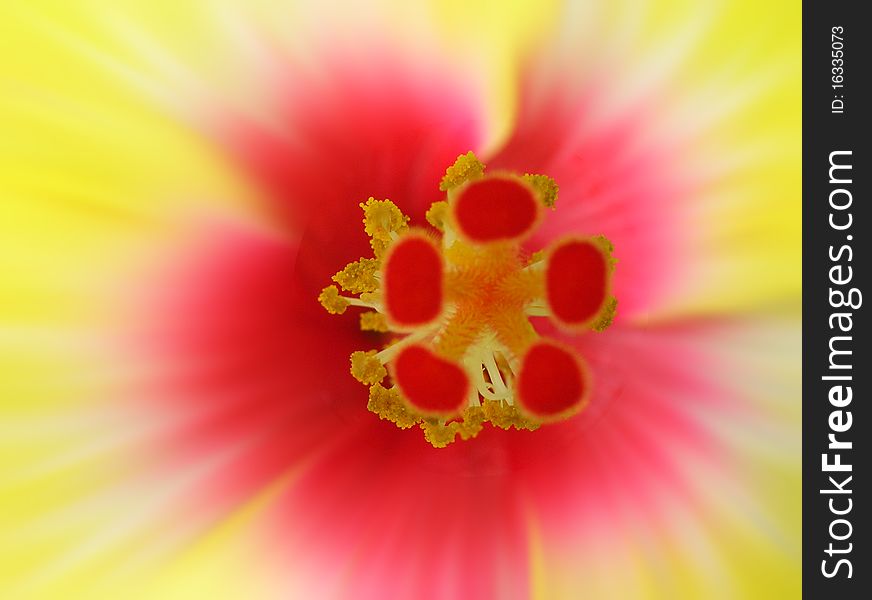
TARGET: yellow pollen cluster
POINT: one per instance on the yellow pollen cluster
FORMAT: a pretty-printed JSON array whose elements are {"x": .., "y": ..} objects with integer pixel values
[
  {"x": 332, "y": 301},
  {"x": 387, "y": 404},
  {"x": 367, "y": 368},
  {"x": 607, "y": 316},
  {"x": 373, "y": 321},
  {"x": 490, "y": 293},
  {"x": 359, "y": 277},
  {"x": 383, "y": 222},
  {"x": 437, "y": 214},
  {"x": 465, "y": 168},
  {"x": 545, "y": 187}
]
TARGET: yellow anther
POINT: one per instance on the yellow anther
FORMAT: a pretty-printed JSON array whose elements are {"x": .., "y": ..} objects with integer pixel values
[
  {"x": 437, "y": 214},
  {"x": 607, "y": 315},
  {"x": 366, "y": 368},
  {"x": 359, "y": 276},
  {"x": 465, "y": 168},
  {"x": 383, "y": 215},
  {"x": 472, "y": 423},
  {"x": 545, "y": 187},
  {"x": 373, "y": 321},
  {"x": 438, "y": 435},
  {"x": 332, "y": 301},
  {"x": 506, "y": 416},
  {"x": 380, "y": 243},
  {"x": 387, "y": 404},
  {"x": 537, "y": 256},
  {"x": 605, "y": 245},
  {"x": 381, "y": 219}
]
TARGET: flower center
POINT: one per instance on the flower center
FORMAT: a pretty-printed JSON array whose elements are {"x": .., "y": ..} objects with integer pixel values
[{"x": 456, "y": 303}]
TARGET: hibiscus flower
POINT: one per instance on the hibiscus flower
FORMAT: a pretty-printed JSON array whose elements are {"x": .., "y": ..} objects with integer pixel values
[{"x": 235, "y": 452}]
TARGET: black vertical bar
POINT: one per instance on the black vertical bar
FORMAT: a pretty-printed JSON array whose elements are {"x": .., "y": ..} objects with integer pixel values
[{"x": 836, "y": 255}]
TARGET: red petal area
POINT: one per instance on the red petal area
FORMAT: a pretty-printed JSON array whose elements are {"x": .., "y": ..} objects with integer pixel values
[
  {"x": 412, "y": 280},
  {"x": 576, "y": 281},
  {"x": 616, "y": 178},
  {"x": 552, "y": 381},
  {"x": 359, "y": 132},
  {"x": 430, "y": 383},
  {"x": 495, "y": 209}
]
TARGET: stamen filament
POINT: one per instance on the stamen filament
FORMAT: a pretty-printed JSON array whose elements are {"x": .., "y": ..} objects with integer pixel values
[
  {"x": 388, "y": 354},
  {"x": 537, "y": 310},
  {"x": 495, "y": 376},
  {"x": 474, "y": 366},
  {"x": 358, "y": 302}
]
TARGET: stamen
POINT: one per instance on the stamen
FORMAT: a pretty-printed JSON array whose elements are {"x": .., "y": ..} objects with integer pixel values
[
  {"x": 367, "y": 368},
  {"x": 437, "y": 214},
  {"x": 382, "y": 221},
  {"x": 466, "y": 168},
  {"x": 480, "y": 360},
  {"x": 506, "y": 416},
  {"x": 501, "y": 208},
  {"x": 546, "y": 188},
  {"x": 606, "y": 315},
  {"x": 388, "y": 405},
  {"x": 373, "y": 321},
  {"x": 412, "y": 279},
  {"x": 359, "y": 277},
  {"x": 552, "y": 383},
  {"x": 336, "y": 304},
  {"x": 440, "y": 435},
  {"x": 431, "y": 384},
  {"x": 499, "y": 386},
  {"x": 332, "y": 301},
  {"x": 394, "y": 347}
]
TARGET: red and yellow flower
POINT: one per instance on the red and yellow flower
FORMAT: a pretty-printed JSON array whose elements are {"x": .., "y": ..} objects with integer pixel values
[{"x": 182, "y": 180}]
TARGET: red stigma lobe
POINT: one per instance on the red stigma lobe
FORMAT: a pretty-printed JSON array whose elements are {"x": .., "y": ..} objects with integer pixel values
[
  {"x": 432, "y": 384},
  {"x": 413, "y": 281},
  {"x": 496, "y": 209},
  {"x": 576, "y": 281},
  {"x": 552, "y": 382}
]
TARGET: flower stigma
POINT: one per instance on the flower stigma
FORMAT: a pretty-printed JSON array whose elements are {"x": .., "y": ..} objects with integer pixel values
[{"x": 454, "y": 304}]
